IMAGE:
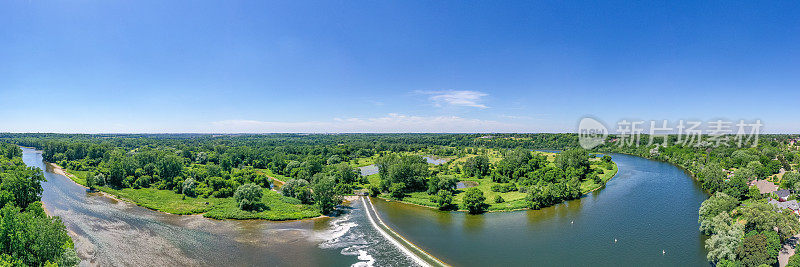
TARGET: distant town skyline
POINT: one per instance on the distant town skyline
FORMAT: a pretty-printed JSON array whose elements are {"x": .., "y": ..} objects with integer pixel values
[{"x": 410, "y": 66}]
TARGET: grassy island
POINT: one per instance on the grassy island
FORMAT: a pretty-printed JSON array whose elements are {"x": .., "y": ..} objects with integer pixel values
[
  {"x": 505, "y": 182},
  {"x": 277, "y": 206}
]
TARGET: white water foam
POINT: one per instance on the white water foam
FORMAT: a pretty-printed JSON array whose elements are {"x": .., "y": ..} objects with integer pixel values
[
  {"x": 366, "y": 260},
  {"x": 352, "y": 243}
]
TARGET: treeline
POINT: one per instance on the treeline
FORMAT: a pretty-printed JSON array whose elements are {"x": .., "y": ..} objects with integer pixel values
[
  {"x": 743, "y": 229},
  {"x": 726, "y": 167},
  {"x": 28, "y": 237},
  {"x": 218, "y": 165},
  {"x": 519, "y": 170}
]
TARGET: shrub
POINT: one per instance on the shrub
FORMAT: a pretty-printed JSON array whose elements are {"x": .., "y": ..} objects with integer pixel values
[
  {"x": 143, "y": 182},
  {"x": 92, "y": 181},
  {"x": 499, "y": 199},
  {"x": 189, "y": 187},
  {"x": 397, "y": 190},
  {"x": 503, "y": 188},
  {"x": 293, "y": 187},
  {"x": 474, "y": 201},
  {"x": 794, "y": 261},
  {"x": 443, "y": 199},
  {"x": 248, "y": 196},
  {"x": 374, "y": 190}
]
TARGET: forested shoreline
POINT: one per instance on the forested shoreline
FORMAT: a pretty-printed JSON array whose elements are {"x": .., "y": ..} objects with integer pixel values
[
  {"x": 28, "y": 236},
  {"x": 743, "y": 228},
  {"x": 201, "y": 174},
  {"x": 233, "y": 176}
]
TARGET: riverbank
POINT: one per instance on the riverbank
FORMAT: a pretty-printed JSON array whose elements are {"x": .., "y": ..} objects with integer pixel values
[
  {"x": 277, "y": 207},
  {"x": 514, "y": 201},
  {"x": 655, "y": 194}
]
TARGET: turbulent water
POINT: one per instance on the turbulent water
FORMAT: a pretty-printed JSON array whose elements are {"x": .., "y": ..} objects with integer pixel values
[
  {"x": 353, "y": 234},
  {"x": 116, "y": 233}
]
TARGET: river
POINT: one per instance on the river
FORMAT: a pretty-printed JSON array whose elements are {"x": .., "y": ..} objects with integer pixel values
[
  {"x": 116, "y": 233},
  {"x": 649, "y": 207}
]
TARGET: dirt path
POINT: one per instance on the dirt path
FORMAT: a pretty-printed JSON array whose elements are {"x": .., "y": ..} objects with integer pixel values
[{"x": 788, "y": 250}]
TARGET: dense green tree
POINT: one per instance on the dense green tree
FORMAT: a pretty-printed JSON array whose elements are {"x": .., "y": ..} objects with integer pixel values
[
  {"x": 409, "y": 170},
  {"x": 474, "y": 201},
  {"x": 794, "y": 261},
  {"x": 169, "y": 166},
  {"x": 443, "y": 199},
  {"x": 577, "y": 159},
  {"x": 325, "y": 195},
  {"x": 754, "y": 251},
  {"x": 713, "y": 206},
  {"x": 95, "y": 180},
  {"x": 32, "y": 237},
  {"x": 299, "y": 189},
  {"x": 726, "y": 240},
  {"x": 334, "y": 159},
  {"x": 190, "y": 187},
  {"x": 345, "y": 174},
  {"x": 499, "y": 199},
  {"x": 248, "y": 196},
  {"x": 773, "y": 243},
  {"x": 765, "y": 217},
  {"x": 397, "y": 190},
  {"x": 736, "y": 187},
  {"x": 790, "y": 179},
  {"x": 24, "y": 184},
  {"x": 477, "y": 166},
  {"x": 712, "y": 177}
]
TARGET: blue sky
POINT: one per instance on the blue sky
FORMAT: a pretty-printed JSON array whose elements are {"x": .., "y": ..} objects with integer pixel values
[{"x": 393, "y": 66}]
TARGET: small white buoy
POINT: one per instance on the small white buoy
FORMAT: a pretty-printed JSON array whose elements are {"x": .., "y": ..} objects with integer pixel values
[
  {"x": 615, "y": 240},
  {"x": 572, "y": 222}
]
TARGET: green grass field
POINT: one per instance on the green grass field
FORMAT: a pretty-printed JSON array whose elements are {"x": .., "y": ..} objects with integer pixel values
[
  {"x": 513, "y": 200},
  {"x": 277, "y": 207}
]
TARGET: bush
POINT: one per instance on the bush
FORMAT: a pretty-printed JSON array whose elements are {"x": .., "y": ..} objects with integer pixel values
[
  {"x": 397, "y": 190},
  {"x": 248, "y": 196},
  {"x": 189, "y": 187},
  {"x": 443, "y": 199},
  {"x": 344, "y": 189},
  {"x": 304, "y": 195},
  {"x": 293, "y": 187},
  {"x": 499, "y": 199},
  {"x": 143, "y": 182},
  {"x": 92, "y": 181},
  {"x": 794, "y": 261},
  {"x": 503, "y": 188},
  {"x": 474, "y": 201},
  {"x": 374, "y": 190}
]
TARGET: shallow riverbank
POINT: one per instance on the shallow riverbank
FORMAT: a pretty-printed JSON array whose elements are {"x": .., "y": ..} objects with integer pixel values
[{"x": 214, "y": 208}]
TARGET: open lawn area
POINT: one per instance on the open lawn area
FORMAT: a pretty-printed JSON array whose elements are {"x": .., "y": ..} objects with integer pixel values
[
  {"x": 276, "y": 206},
  {"x": 513, "y": 200}
]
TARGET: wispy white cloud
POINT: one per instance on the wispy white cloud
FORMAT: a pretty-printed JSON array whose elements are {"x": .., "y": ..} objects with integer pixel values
[
  {"x": 456, "y": 98},
  {"x": 514, "y": 117},
  {"x": 391, "y": 123},
  {"x": 519, "y": 117}
]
